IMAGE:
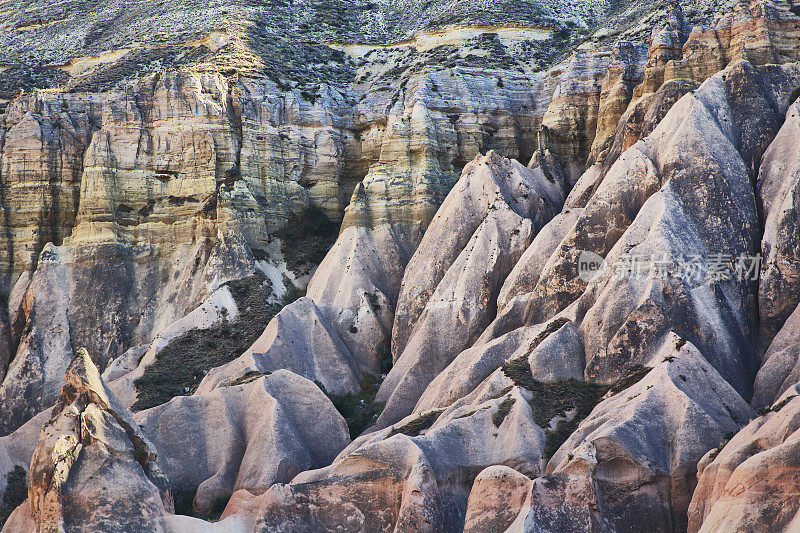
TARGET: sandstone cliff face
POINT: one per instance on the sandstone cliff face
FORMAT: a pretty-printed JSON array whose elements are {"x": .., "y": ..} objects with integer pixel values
[{"x": 139, "y": 181}]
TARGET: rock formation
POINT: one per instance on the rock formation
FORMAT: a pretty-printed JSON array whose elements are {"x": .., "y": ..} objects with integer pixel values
[
  {"x": 246, "y": 436},
  {"x": 419, "y": 267},
  {"x": 401, "y": 477},
  {"x": 451, "y": 284},
  {"x": 93, "y": 468},
  {"x": 749, "y": 482}
]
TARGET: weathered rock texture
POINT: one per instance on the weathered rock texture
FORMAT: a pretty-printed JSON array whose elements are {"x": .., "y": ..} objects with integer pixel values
[
  {"x": 631, "y": 463},
  {"x": 400, "y": 478},
  {"x": 153, "y": 153},
  {"x": 750, "y": 482},
  {"x": 450, "y": 288},
  {"x": 246, "y": 436},
  {"x": 93, "y": 469},
  {"x": 778, "y": 182}
]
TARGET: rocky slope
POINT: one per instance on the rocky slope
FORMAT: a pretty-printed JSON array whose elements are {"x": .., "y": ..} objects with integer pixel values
[{"x": 172, "y": 179}]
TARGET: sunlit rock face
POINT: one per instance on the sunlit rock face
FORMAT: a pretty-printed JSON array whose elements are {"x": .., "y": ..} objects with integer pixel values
[
  {"x": 93, "y": 467},
  {"x": 746, "y": 483}
]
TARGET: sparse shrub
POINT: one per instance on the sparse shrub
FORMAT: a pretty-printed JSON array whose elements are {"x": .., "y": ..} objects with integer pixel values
[
  {"x": 726, "y": 439},
  {"x": 503, "y": 392},
  {"x": 777, "y": 407},
  {"x": 631, "y": 377},
  {"x": 292, "y": 292},
  {"x": 502, "y": 411},
  {"x": 373, "y": 300},
  {"x": 558, "y": 398},
  {"x": 247, "y": 377},
  {"x": 551, "y": 328},
  {"x": 16, "y": 492},
  {"x": 417, "y": 425},
  {"x": 360, "y": 410},
  {"x": 384, "y": 358},
  {"x": 181, "y": 365}
]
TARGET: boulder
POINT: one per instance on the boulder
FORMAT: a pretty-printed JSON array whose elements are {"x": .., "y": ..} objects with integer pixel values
[{"x": 496, "y": 500}]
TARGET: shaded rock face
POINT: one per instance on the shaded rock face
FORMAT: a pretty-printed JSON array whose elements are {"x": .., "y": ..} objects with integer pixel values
[
  {"x": 777, "y": 185},
  {"x": 780, "y": 369},
  {"x": 35, "y": 374},
  {"x": 6, "y": 347},
  {"x": 93, "y": 469},
  {"x": 17, "y": 448}
]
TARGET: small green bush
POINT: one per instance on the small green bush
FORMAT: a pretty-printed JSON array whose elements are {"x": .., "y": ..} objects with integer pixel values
[
  {"x": 359, "y": 410},
  {"x": 384, "y": 358},
  {"x": 725, "y": 440},
  {"x": 16, "y": 492},
  {"x": 292, "y": 292},
  {"x": 502, "y": 411},
  {"x": 247, "y": 377},
  {"x": 503, "y": 392},
  {"x": 631, "y": 377},
  {"x": 418, "y": 425},
  {"x": 777, "y": 407}
]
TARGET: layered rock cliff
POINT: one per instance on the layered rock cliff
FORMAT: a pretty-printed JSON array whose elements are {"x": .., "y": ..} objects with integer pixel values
[{"x": 331, "y": 255}]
